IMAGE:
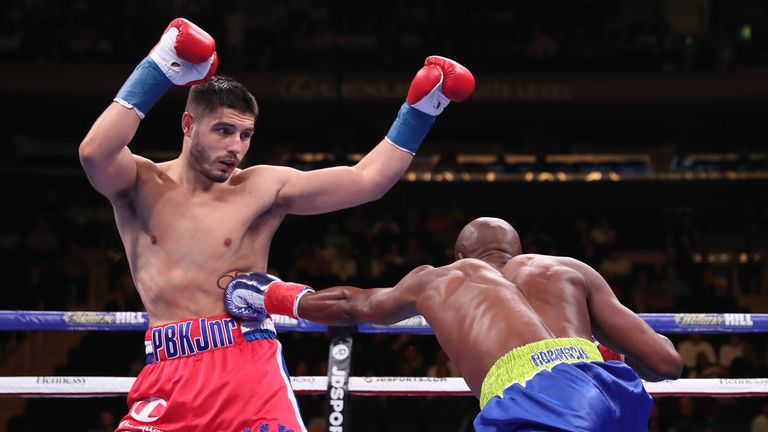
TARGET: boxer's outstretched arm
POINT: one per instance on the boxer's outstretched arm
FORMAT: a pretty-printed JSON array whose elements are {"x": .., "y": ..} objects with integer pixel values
[
  {"x": 652, "y": 355},
  {"x": 329, "y": 189},
  {"x": 345, "y": 305},
  {"x": 254, "y": 295},
  {"x": 435, "y": 85}
]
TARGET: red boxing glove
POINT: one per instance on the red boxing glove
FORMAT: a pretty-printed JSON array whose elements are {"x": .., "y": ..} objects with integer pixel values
[
  {"x": 439, "y": 82},
  {"x": 282, "y": 298},
  {"x": 609, "y": 354},
  {"x": 186, "y": 53}
]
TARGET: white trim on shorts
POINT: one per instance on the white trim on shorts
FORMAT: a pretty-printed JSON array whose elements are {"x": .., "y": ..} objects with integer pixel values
[{"x": 288, "y": 387}]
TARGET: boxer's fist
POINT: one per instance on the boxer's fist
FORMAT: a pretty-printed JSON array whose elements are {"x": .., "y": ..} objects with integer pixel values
[
  {"x": 186, "y": 54},
  {"x": 256, "y": 295},
  {"x": 439, "y": 82},
  {"x": 609, "y": 354},
  {"x": 244, "y": 295}
]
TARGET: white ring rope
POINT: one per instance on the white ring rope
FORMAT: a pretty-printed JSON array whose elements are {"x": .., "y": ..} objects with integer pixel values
[{"x": 84, "y": 386}]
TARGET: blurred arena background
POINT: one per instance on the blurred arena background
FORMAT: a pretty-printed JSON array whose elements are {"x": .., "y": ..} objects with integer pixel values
[{"x": 632, "y": 135}]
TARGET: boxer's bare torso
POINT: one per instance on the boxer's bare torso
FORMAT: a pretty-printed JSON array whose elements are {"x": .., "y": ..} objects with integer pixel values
[
  {"x": 180, "y": 243},
  {"x": 472, "y": 309}
]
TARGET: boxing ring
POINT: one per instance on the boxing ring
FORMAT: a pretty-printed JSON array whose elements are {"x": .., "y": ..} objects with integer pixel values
[{"x": 340, "y": 359}]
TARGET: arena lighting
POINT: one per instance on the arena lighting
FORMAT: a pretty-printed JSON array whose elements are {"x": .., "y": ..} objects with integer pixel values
[
  {"x": 594, "y": 176},
  {"x": 745, "y": 32},
  {"x": 743, "y": 257},
  {"x": 545, "y": 176}
]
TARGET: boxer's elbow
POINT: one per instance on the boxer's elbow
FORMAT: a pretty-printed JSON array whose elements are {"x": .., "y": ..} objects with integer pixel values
[
  {"x": 666, "y": 366},
  {"x": 87, "y": 152},
  {"x": 672, "y": 366},
  {"x": 93, "y": 153}
]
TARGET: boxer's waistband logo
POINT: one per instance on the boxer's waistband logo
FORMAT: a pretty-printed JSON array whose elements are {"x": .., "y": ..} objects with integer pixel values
[
  {"x": 556, "y": 355},
  {"x": 190, "y": 337}
]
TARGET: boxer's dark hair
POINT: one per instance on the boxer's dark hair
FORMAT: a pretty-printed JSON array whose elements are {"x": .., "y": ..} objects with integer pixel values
[{"x": 220, "y": 91}]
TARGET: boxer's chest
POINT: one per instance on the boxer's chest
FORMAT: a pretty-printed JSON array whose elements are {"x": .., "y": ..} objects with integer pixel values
[{"x": 197, "y": 229}]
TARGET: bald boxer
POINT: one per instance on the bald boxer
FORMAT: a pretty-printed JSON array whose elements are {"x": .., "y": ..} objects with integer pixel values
[
  {"x": 518, "y": 327},
  {"x": 188, "y": 221}
]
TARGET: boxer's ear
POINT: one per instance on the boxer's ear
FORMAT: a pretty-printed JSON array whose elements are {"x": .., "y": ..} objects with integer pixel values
[{"x": 187, "y": 120}]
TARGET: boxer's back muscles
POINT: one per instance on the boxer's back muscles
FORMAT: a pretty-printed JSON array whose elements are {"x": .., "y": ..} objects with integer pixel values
[{"x": 575, "y": 301}]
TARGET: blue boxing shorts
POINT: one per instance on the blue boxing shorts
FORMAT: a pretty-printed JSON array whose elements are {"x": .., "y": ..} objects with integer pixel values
[{"x": 562, "y": 385}]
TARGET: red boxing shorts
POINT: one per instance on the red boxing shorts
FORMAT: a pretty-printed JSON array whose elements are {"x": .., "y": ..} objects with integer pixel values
[{"x": 215, "y": 374}]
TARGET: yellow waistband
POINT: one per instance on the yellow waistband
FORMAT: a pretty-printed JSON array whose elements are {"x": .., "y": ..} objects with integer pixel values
[{"x": 522, "y": 363}]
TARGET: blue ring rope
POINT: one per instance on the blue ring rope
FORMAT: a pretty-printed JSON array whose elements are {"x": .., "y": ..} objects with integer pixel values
[{"x": 663, "y": 323}]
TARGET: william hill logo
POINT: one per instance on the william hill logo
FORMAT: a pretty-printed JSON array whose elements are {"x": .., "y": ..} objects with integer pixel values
[
  {"x": 102, "y": 318},
  {"x": 714, "y": 320}
]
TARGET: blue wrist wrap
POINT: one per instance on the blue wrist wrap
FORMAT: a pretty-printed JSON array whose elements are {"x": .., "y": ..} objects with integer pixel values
[
  {"x": 409, "y": 128},
  {"x": 144, "y": 87}
]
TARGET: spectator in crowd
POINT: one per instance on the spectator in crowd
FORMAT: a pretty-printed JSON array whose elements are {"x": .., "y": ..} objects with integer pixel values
[
  {"x": 750, "y": 364},
  {"x": 616, "y": 267},
  {"x": 760, "y": 422},
  {"x": 675, "y": 286},
  {"x": 686, "y": 419},
  {"x": 603, "y": 234},
  {"x": 386, "y": 227},
  {"x": 731, "y": 350},
  {"x": 442, "y": 367},
  {"x": 343, "y": 265},
  {"x": 690, "y": 348},
  {"x": 716, "y": 293},
  {"x": 107, "y": 422},
  {"x": 42, "y": 241},
  {"x": 641, "y": 289},
  {"x": 705, "y": 368}
]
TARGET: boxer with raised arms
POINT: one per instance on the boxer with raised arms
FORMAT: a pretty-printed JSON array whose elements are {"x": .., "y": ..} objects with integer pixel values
[
  {"x": 188, "y": 221},
  {"x": 518, "y": 327}
]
